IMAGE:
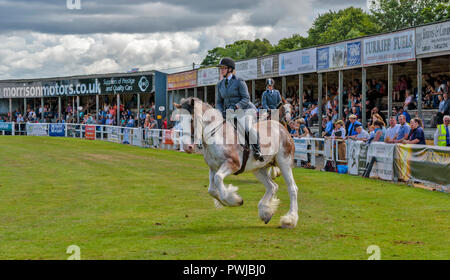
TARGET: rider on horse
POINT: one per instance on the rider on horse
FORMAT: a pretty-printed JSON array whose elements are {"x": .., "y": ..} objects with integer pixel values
[
  {"x": 271, "y": 98},
  {"x": 233, "y": 94}
]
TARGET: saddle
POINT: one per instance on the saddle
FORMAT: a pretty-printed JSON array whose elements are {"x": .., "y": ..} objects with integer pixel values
[{"x": 245, "y": 146}]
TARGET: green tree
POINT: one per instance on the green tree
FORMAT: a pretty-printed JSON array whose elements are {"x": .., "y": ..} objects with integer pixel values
[
  {"x": 397, "y": 14},
  {"x": 242, "y": 49},
  {"x": 330, "y": 27}
]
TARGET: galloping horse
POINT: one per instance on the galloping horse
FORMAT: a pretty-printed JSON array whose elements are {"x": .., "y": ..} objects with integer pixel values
[{"x": 225, "y": 159}]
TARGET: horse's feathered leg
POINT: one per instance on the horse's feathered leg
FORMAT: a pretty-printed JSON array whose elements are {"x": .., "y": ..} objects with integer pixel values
[
  {"x": 290, "y": 219},
  {"x": 269, "y": 203},
  {"x": 212, "y": 190},
  {"x": 227, "y": 195}
]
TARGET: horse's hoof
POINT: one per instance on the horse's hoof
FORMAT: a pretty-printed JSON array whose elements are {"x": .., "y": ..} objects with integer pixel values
[
  {"x": 268, "y": 220},
  {"x": 241, "y": 203}
]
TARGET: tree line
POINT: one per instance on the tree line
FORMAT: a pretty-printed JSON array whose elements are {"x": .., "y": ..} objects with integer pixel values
[{"x": 345, "y": 24}]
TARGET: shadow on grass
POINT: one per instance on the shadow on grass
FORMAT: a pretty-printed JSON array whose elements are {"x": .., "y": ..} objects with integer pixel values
[{"x": 207, "y": 230}]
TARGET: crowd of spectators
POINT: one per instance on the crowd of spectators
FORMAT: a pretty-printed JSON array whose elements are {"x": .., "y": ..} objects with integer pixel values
[
  {"x": 401, "y": 128},
  {"x": 107, "y": 116}
]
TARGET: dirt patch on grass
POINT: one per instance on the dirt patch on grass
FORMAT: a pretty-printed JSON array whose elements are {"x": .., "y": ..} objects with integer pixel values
[
  {"x": 408, "y": 242},
  {"x": 114, "y": 157},
  {"x": 346, "y": 235}
]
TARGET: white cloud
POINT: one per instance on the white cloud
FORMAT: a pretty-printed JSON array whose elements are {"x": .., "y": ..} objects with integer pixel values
[{"x": 26, "y": 54}]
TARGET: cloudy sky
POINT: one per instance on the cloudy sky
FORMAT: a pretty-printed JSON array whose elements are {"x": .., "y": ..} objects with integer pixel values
[{"x": 43, "y": 38}]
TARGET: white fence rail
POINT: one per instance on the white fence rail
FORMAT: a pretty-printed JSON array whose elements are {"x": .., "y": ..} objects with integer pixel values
[{"x": 155, "y": 138}]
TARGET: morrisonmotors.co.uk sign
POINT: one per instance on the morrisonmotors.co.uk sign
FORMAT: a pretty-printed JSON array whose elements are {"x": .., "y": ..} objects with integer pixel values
[{"x": 73, "y": 87}]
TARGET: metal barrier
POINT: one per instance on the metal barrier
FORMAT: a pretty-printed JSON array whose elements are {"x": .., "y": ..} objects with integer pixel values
[
  {"x": 308, "y": 148},
  {"x": 154, "y": 138}
]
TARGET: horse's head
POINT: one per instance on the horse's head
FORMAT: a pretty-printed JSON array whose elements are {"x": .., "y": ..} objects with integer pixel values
[
  {"x": 195, "y": 108},
  {"x": 286, "y": 112}
]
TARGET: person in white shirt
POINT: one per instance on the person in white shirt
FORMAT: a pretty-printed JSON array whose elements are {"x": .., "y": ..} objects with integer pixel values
[
  {"x": 392, "y": 131},
  {"x": 339, "y": 130}
]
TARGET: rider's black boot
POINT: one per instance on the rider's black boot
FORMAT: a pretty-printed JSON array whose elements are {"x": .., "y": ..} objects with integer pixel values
[{"x": 257, "y": 152}]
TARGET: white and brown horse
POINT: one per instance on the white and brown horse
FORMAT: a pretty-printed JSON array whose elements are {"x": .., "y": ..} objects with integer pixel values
[{"x": 224, "y": 156}]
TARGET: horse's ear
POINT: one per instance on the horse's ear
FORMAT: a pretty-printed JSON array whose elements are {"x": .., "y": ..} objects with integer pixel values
[{"x": 178, "y": 106}]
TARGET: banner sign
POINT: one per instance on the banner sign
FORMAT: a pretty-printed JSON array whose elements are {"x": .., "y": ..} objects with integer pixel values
[
  {"x": 399, "y": 46},
  {"x": 433, "y": 38},
  {"x": 89, "y": 132},
  {"x": 74, "y": 87},
  {"x": 357, "y": 157},
  {"x": 167, "y": 137},
  {"x": 302, "y": 61},
  {"x": 247, "y": 69},
  {"x": 57, "y": 130},
  {"x": 427, "y": 164},
  {"x": 301, "y": 148},
  {"x": 208, "y": 76},
  {"x": 136, "y": 134},
  {"x": 354, "y": 54},
  {"x": 384, "y": 165},
  {"x": 267, "y": 66},
  {"x": 339, "y": 56},
  {"x": 4, "y": 126},
  {"x": 113, "y": 134},
  {"x": 182, "y": 80},
  {"x": 36, "y": 129},
  {"x": 323, "y": 58}
]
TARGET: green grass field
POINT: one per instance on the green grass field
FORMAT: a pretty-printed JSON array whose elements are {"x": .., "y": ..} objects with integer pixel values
[{"x": 122, "y": 202}]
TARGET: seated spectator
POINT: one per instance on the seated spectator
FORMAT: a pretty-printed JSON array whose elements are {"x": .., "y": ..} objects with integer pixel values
[
  {"x": 362, "y": 135},
  {"x": 417, "y": 135},
  {"x": 378, "y": 135},
  {"x": 442, "y": 134},
  {"x": 403, "y": 130},
  {"x": 339, "y": 130},
  {"x": 392, "y": 131}
]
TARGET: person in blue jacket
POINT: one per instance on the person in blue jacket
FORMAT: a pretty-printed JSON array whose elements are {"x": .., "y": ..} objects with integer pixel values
[
  {"x": 271, "y": 98},
  {"x": 233, "y": 94}
]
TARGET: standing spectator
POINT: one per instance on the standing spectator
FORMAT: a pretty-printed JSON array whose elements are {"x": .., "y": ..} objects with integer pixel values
[
  {"x": 339, "y": 130},
  {"x": 392, "y": 131},
  {"x": 442, "y": 134},
  {"x": 351, "y": 125},
  {"x": 328, "y": 128},
  {"x": 313, "y": 116},
  {"x": 401, "y": 111},
  {"x": 303, "y": 131},
  {"x": 416, "y": 136},
  {"x": 409, "y": 101}
]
